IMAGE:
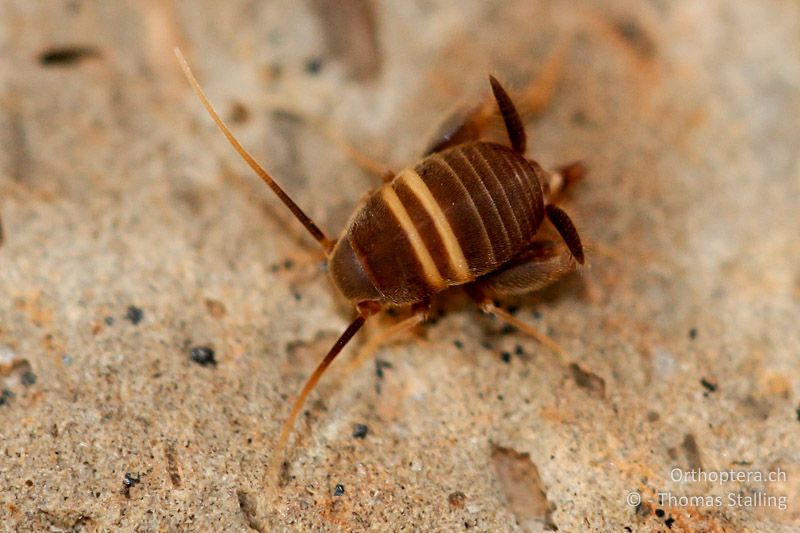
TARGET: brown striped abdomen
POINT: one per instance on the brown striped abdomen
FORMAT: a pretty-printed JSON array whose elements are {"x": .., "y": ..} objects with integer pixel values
[{"x": 455, "y": 216}]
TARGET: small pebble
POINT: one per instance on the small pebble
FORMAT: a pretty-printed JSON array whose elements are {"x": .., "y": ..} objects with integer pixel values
[
  {"x": 239, "y": 113},
  {"x": 215, "y": 308},
  {"x": 456, "y": 499},
  {"x": 458, "y": 344},
  {"x": 129, "y": 481},
  {"x": 508, "y": 329},
  {"x": 203, "y": 356},
  {"x": 693, "y": 333},
  {"x": 134, "y": 314},
  {"x": 360, "y": 431},
  {"x": 28, "y": 378},
  {"x": 313, "y": 66},
  {"x": 380, "y": 365},
  {"x": 708, "y": 385},
  {"x": 67, "y": 55},
  {"x": 505, "y": 356},
  {"x": 338, "y": 490},
  {"x": 109, "y": 320}
]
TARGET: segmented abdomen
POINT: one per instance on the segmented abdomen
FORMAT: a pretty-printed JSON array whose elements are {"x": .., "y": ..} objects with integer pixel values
[{"x": 452, "y": 218}]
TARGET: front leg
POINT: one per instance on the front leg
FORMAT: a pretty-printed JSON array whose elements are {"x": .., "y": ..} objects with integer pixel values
[{"x": 419, "y": 313}]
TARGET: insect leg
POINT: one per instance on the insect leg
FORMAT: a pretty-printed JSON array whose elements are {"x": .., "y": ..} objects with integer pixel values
[
  {"x": 514, "y": 125},
  {"x": 468, "y": 123},
  {"x": 465, "y": 124},
  {"x": 419, "y": 314},
  {"x": 364, "y": 161},
  {"x": 488, "y": 307},
  {"x": 541, "y": 90},
  {"x": 542, "y": 264}
]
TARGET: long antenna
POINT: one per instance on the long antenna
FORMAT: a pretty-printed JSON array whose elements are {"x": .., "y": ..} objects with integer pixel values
[
  {"x": 288, "y": 425},
  {"x": 312, "y": 228}
]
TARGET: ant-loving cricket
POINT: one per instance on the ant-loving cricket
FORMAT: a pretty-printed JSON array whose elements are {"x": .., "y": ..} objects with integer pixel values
[{"x": 468, "y": 213}]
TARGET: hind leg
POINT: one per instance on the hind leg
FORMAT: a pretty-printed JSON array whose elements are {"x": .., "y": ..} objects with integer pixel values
[
  {"x": 470, "y": 123},
  {"x": 542, "y": 264},
  {"x": 465, "y": 124}
]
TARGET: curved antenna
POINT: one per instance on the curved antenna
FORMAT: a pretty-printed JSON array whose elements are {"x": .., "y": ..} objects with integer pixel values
[
  {"x": 288, "y": 425},
  {"x": 312, "y": 228}
]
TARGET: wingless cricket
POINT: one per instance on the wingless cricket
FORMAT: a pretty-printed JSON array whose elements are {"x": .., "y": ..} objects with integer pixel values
[{"x": 468, "y": 213}]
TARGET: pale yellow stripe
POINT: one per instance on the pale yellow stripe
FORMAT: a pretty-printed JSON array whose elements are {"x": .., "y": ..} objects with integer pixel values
[
  {"x": 454, "y": 252},
  {"x": 396, "y": 207}
]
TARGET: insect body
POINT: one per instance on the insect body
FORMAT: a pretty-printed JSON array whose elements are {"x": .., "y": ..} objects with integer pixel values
[
  {"x": 452, "y": 218},
  {"x": 469, "y": 213}
]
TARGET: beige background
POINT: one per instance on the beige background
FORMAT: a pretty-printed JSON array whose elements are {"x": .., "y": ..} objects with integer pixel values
[{"x": 117, "y": 191}]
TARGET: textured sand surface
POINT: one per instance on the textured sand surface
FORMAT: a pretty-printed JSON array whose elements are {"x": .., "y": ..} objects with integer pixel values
[{"x": 133, "y": 235}]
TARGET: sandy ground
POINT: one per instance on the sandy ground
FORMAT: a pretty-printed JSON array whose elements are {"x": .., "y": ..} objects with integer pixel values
[{"x": 132, "y": 235}]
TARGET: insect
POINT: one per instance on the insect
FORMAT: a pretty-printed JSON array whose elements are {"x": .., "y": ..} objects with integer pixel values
[{"x": 468, "y": 213}]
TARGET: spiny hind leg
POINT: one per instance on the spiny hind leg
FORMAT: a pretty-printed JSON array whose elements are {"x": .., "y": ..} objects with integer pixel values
[
  {"x": 467, "y": 123},
  {"x": 543, "y": 263},
  {"x": 470, "y": 123}
]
